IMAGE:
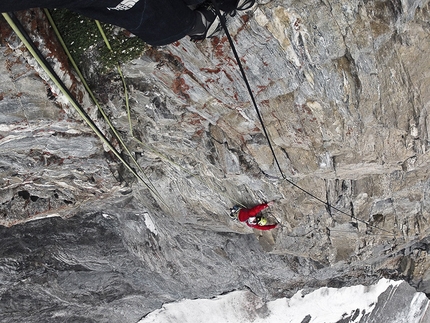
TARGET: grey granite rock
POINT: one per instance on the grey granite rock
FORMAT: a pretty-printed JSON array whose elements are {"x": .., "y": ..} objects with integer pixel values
[{"x": 343, "y": 88}]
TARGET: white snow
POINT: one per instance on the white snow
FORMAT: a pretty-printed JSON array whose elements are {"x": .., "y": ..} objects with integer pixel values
[
  {"x": 325, "y": 305},
  {"x": 330, "y": 304}
]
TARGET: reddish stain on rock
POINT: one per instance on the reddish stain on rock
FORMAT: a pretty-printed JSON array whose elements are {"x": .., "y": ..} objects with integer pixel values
[
  {"x": 211, "y": 70},
  {"x": 180, "y": 87},
  {"x": 218, "y": 45},
  {"x": 228, "y": 76},
  {"x": 195, "y": 119},
  {"x": 245, "y": 18}
]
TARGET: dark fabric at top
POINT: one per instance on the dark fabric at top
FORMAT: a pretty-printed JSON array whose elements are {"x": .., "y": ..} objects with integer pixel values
[
  {"x": 157, "y": 22},
  {"x": 16, "y": 5}
]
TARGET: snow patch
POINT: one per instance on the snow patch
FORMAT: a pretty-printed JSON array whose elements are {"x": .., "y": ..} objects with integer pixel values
[
  {"x": 325, "y": 305},
  {"x": 331, "y": 304}
]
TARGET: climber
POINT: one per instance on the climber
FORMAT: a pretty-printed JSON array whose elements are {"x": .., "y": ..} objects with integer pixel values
[
  {"x": 157, "y": 22},
  {"x": 251, "y": 217}
]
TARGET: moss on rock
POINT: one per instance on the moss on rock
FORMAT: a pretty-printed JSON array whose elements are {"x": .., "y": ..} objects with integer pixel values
[{"x": 86, "y": 44}]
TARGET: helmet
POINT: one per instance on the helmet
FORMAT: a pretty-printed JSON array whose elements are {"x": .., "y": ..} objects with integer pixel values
[{"x": 262, "y": 221}]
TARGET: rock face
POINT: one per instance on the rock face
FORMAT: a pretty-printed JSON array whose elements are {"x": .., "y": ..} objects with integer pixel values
[{"x": 343, "y": 88}]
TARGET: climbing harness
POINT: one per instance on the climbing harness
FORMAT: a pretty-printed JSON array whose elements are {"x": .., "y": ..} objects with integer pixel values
[
  {"x": 284, "y": 177},
  {"x": 261, "y": 220}
]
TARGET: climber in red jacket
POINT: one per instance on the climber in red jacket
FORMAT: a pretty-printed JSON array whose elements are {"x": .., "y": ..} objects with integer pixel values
[{"x": 251, "y": 217}]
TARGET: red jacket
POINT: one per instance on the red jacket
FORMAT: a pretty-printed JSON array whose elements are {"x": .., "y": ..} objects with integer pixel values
[{"x": 245, "y": 214}]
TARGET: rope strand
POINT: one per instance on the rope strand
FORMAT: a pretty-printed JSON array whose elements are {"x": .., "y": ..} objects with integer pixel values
[{"x": 35, "y": 52}]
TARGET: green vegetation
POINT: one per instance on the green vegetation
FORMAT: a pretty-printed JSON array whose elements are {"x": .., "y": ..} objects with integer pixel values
[{"x": 86, "y": 44}]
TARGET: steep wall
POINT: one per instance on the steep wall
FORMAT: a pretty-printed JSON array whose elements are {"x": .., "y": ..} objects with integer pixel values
[{"x": 343, "y": 88}]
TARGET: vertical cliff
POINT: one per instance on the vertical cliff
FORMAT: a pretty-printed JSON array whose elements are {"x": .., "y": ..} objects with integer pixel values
[{"x": 343, "y": 88}]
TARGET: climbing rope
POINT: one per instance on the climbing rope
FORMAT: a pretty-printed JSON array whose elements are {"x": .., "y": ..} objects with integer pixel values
[
  {"x": 90, "y": 92},
  {"x": 32, "y": 48},
  {"x": 120, "y": 73},
  {"x": 284, "y": 177}
]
